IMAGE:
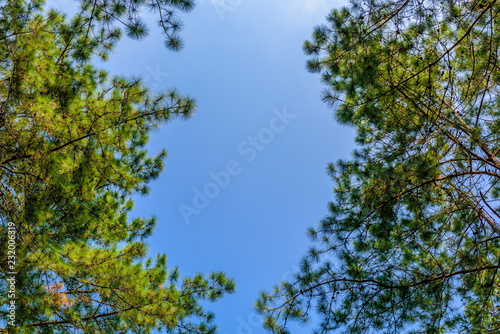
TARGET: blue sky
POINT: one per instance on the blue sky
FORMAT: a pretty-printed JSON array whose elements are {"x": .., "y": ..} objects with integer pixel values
[{"x": 261, "y": 123}]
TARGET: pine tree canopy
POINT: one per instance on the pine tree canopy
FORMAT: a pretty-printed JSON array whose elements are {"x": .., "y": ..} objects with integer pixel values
[
  {"x": 72, "y": 152},
  {"x": 412, "y": 244}
]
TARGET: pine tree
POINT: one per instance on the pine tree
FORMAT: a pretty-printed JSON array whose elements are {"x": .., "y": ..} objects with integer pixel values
[
  {"x": 412, "y": 244},
  {"x": 72, "y": 152}
]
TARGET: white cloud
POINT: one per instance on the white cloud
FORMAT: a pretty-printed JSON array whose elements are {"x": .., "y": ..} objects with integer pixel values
[
  {"x": 315, "y": 5},
  {"x": 309, "y": 11}
]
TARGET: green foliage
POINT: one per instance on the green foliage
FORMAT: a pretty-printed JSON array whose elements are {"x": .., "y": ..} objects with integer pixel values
[
  {"x": 72, "y": 152},
  {"x": 103, "y": 19},
  {"x": 412, "y": 244}
]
